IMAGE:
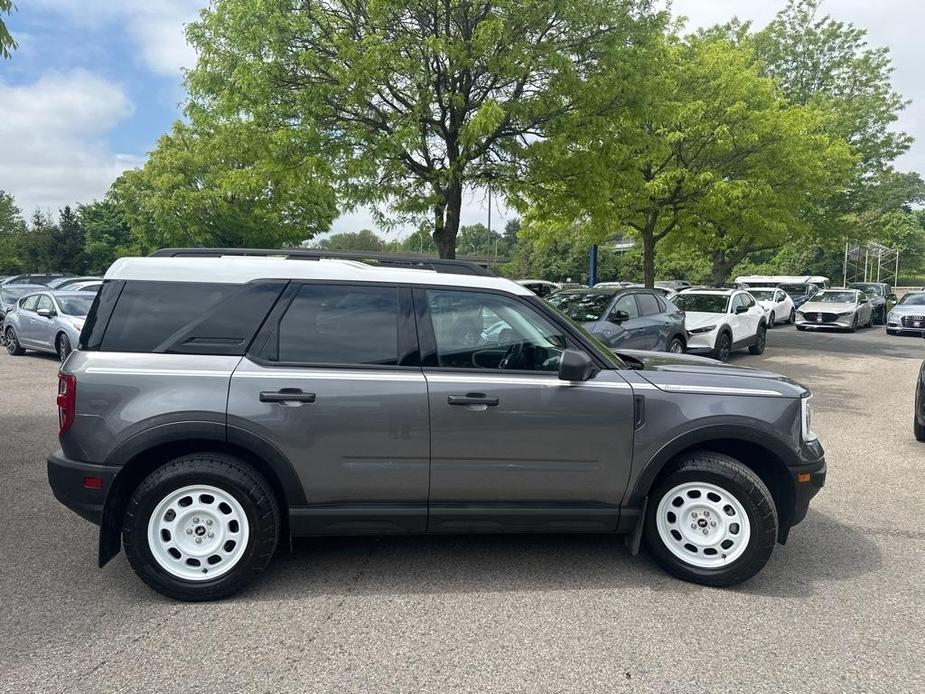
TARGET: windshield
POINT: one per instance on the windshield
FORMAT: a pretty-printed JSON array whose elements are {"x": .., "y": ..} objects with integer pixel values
[
  {"x": 869, "y": 288},
  {"x": 793, "y": 289},
  {"x": 762, "y": 294},
  {"x": 75, "y": 305},
  {"x": 913, "y": 300},
  {"x": 584, "y": 307},
  {"x": 11, "y": 293},
  {"x": 834, "y": 298},
  {"x": 702, "y": 303}
]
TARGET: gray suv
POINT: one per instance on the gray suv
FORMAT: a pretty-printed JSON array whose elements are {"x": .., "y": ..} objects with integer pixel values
[{"x": 219, "y": 405}]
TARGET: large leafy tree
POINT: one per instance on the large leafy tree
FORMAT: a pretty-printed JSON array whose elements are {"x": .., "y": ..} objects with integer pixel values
[
  {"x": 12, "y": 228},
  {"x": 222, "y": 184},
  {"x": 107, "y": 236},
  {"x": 7, "y": 44},
  {"x": 718, "y": 153},
  {"x": 413, "y": 101}
]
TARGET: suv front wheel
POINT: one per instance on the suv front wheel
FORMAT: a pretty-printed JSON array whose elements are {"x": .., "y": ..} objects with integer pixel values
[
  {"x": 711, "y": 521},
  {"x": 201, "y": 527}
]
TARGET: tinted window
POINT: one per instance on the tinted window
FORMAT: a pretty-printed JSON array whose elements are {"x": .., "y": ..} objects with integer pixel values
[
  {"x": 488, "y": 331},
  {"x": 75, "y": 305},
  {"x": 648, "y": 304},
  {"x": 627, "y": 303},
  {"x": 147, "y": 313},
  {"x": 336, "y": 324}
]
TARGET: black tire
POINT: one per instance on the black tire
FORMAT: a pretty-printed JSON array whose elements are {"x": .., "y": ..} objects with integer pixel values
[
  {"x": 723, "y": 347},
  {"x": 870, "y": 321},
  {"x": 761, "y": 341},
  {"x": 676, "y": 345},
  {"x": 854, "y": 324},
  {"x": 63, "y": 347},
  {"x": 748, "y": 489},
  {"x": 793, "y": 316},
  {"x": 12, "y": 343},
  {"x": 917, "y": 428},
  {"x": 772, "y": 320},
  {"x": 233, "y": 477}
]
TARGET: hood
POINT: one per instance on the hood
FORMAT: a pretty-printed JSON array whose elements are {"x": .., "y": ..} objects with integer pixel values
[
  {"x": 824, "y": 307},
  {"x": 908, "y": 310},
  {"x": 698, "y": 319},
  {"x": 663, "y": 369}
]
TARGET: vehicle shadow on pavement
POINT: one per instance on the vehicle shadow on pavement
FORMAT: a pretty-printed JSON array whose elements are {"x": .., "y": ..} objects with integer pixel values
[{"x": 821, "y": 550}]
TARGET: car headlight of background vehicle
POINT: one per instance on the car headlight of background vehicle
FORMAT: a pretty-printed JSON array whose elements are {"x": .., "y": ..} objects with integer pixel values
[
  {"x": 806, "y": 417},
  {"x": 704, "y": 329}
]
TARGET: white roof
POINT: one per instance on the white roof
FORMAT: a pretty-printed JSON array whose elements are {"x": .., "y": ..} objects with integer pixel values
[
  {"x": 241, "y": 269},
  {"x": 719, "y": 291}
]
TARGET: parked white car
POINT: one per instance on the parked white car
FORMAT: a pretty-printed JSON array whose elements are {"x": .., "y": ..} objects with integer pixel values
[
  {"x": 719, "y": 321},
  {"x": 777, "y": 304},
  {"x": 542, "y": 288}
]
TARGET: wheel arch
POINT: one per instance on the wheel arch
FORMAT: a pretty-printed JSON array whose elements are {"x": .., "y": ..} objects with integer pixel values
[
  {"x": 759, "y": 452},
  {"x": 143, "y": 454}
]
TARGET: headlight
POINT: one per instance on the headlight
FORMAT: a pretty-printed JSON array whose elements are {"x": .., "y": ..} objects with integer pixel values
[
  {"x": 704, "y": 329},
  {"x": 806, "y": 418}
]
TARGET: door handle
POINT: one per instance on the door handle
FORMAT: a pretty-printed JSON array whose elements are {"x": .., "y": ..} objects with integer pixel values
[
  {"x": 472, "y": 399},
  {"x": 286, "y": 395}
]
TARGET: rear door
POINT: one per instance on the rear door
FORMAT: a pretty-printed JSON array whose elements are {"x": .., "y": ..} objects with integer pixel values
[
  {"x": 654, "y": 321},
  {"x": 334, "y": 383},
  {"x": 628, "y": 334},
  {"x": 512, "y": 447}
]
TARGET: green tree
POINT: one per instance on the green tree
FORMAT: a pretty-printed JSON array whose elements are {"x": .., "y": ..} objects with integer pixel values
[
  {"x": 717, "y": 154},
  {"x": 12, "y": 227},
  {"x": 35, "y": 244},
  {"x": 66, "y": 244},
  {"x": 363, "y": 240},
  {"x": 412, "y": 101},
  {"x": 421, "y": 241},
  {"x": 7, "y": 44},
  {"x": 223, "y": 185},
  {"x": 107, "y": 236}
]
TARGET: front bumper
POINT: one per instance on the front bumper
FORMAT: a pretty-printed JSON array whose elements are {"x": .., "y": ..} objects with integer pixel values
[
  {"x": 74, "y": 484},
  {"x": 840, "y": 324},
  {"x": 701, "y": 343},
  {"x": 807, "y": 480}
]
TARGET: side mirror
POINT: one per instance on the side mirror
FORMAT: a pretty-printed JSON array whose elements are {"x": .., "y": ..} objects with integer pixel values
[
  {"x": 575, "y": 366},
  {"x": 619, "y": 316},
  {"x": 741, "y": 309},
  {"x": 45, "y": 312}
]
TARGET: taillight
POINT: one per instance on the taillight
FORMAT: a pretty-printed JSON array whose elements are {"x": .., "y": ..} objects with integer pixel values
[{"x": 67, "y": 401}]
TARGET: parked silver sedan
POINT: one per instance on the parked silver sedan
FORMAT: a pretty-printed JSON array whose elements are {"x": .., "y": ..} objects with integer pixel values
[
  {"x": 47, "y": 322},
  {"x": 848, "y": 309},
  {"x": 908, "y": 316}
]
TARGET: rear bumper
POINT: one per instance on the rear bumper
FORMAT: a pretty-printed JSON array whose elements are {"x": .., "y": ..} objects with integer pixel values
[{"x": 73, "y": 484}]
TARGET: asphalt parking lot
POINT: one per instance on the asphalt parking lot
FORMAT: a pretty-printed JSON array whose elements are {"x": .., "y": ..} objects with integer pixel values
[{"x": 840, "y": 608}]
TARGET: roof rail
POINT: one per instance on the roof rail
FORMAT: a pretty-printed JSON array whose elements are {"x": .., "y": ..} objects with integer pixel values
[{"x": 412, "y": 261}]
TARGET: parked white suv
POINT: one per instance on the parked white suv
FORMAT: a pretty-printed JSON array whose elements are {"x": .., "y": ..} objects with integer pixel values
[
  {"x": 719, "y": 321},
  {"x": 777, "y": 304}
]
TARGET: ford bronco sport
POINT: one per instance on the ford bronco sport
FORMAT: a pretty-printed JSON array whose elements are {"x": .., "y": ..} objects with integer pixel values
[{"x": 218, "y": 405}]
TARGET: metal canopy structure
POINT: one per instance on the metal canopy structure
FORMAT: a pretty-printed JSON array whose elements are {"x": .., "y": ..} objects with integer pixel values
[{"x": 872, "y": 262}]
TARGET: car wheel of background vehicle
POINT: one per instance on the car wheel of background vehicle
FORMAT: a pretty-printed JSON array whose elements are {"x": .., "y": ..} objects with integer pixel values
[
  {"x": 793, "y": 316},
  {"x": 854, "y": 324},
  {"x": 676, "y": 346},
  {"x": 201, "y": 527},
  {"x": 870, "y": 321},
  {"x": 711, "y": 521},
  {"x": 761, "y": 341},
  {"x": 918, "y": 430},
  {"x": 63, "y": 347},
  {"x": 772, "y": 320},
  {"x": 723, "y": 346},
  {"x": 12, "y": 343}
]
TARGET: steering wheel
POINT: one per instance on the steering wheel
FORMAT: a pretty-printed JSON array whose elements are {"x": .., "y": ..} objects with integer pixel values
[{"x": 513, "y": 355}]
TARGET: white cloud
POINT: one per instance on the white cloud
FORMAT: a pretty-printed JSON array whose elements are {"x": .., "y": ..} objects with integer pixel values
[
  {"x": 53, "y": 133},
  {"x": 156, "y": 26}
]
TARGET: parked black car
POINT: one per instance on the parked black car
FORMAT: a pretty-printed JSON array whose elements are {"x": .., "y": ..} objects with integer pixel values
[
  {"x": 881, "y": 298},
  {"x": 800, "y": 293},
  {"x": 630, "y": 318}
]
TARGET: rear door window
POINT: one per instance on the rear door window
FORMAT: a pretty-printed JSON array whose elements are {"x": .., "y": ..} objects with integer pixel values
[
  {"x": 648, "y": 304},
  {"x": 338, "y": 324}
]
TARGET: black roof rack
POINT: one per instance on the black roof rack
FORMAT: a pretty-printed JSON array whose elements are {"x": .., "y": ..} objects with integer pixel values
[{"x": 420, "y": 262}]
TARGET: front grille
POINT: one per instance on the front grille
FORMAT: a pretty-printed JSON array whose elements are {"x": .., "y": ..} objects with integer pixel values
[
  {"x": 909, "y": 321},
  {"x": 813, "y": 317}
]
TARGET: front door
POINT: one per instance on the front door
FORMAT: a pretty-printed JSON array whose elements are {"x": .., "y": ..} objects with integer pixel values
[
  {"x": 338, "y": 390},
  {"x": 513, "y": 448}
]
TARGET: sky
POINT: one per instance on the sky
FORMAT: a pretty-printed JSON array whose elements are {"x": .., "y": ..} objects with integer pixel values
[{"x": 94, "y": 83}]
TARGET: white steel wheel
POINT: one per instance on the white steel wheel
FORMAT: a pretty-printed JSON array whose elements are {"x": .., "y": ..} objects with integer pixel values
[
  {"x": 703, "y": 525},
  {"x": 198, "y": 532}
]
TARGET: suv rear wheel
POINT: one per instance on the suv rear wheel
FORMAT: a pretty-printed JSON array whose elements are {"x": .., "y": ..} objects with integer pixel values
[
  {"x": 761, "y": 341},
  {"x": 711, "y": 521},
  {"x": 201, "y": 527}
]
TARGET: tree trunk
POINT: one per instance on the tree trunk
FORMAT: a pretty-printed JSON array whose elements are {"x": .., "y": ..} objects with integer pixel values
[
  {"x": 720, "y": 268},
  {"x": 445, "y": 233}
]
